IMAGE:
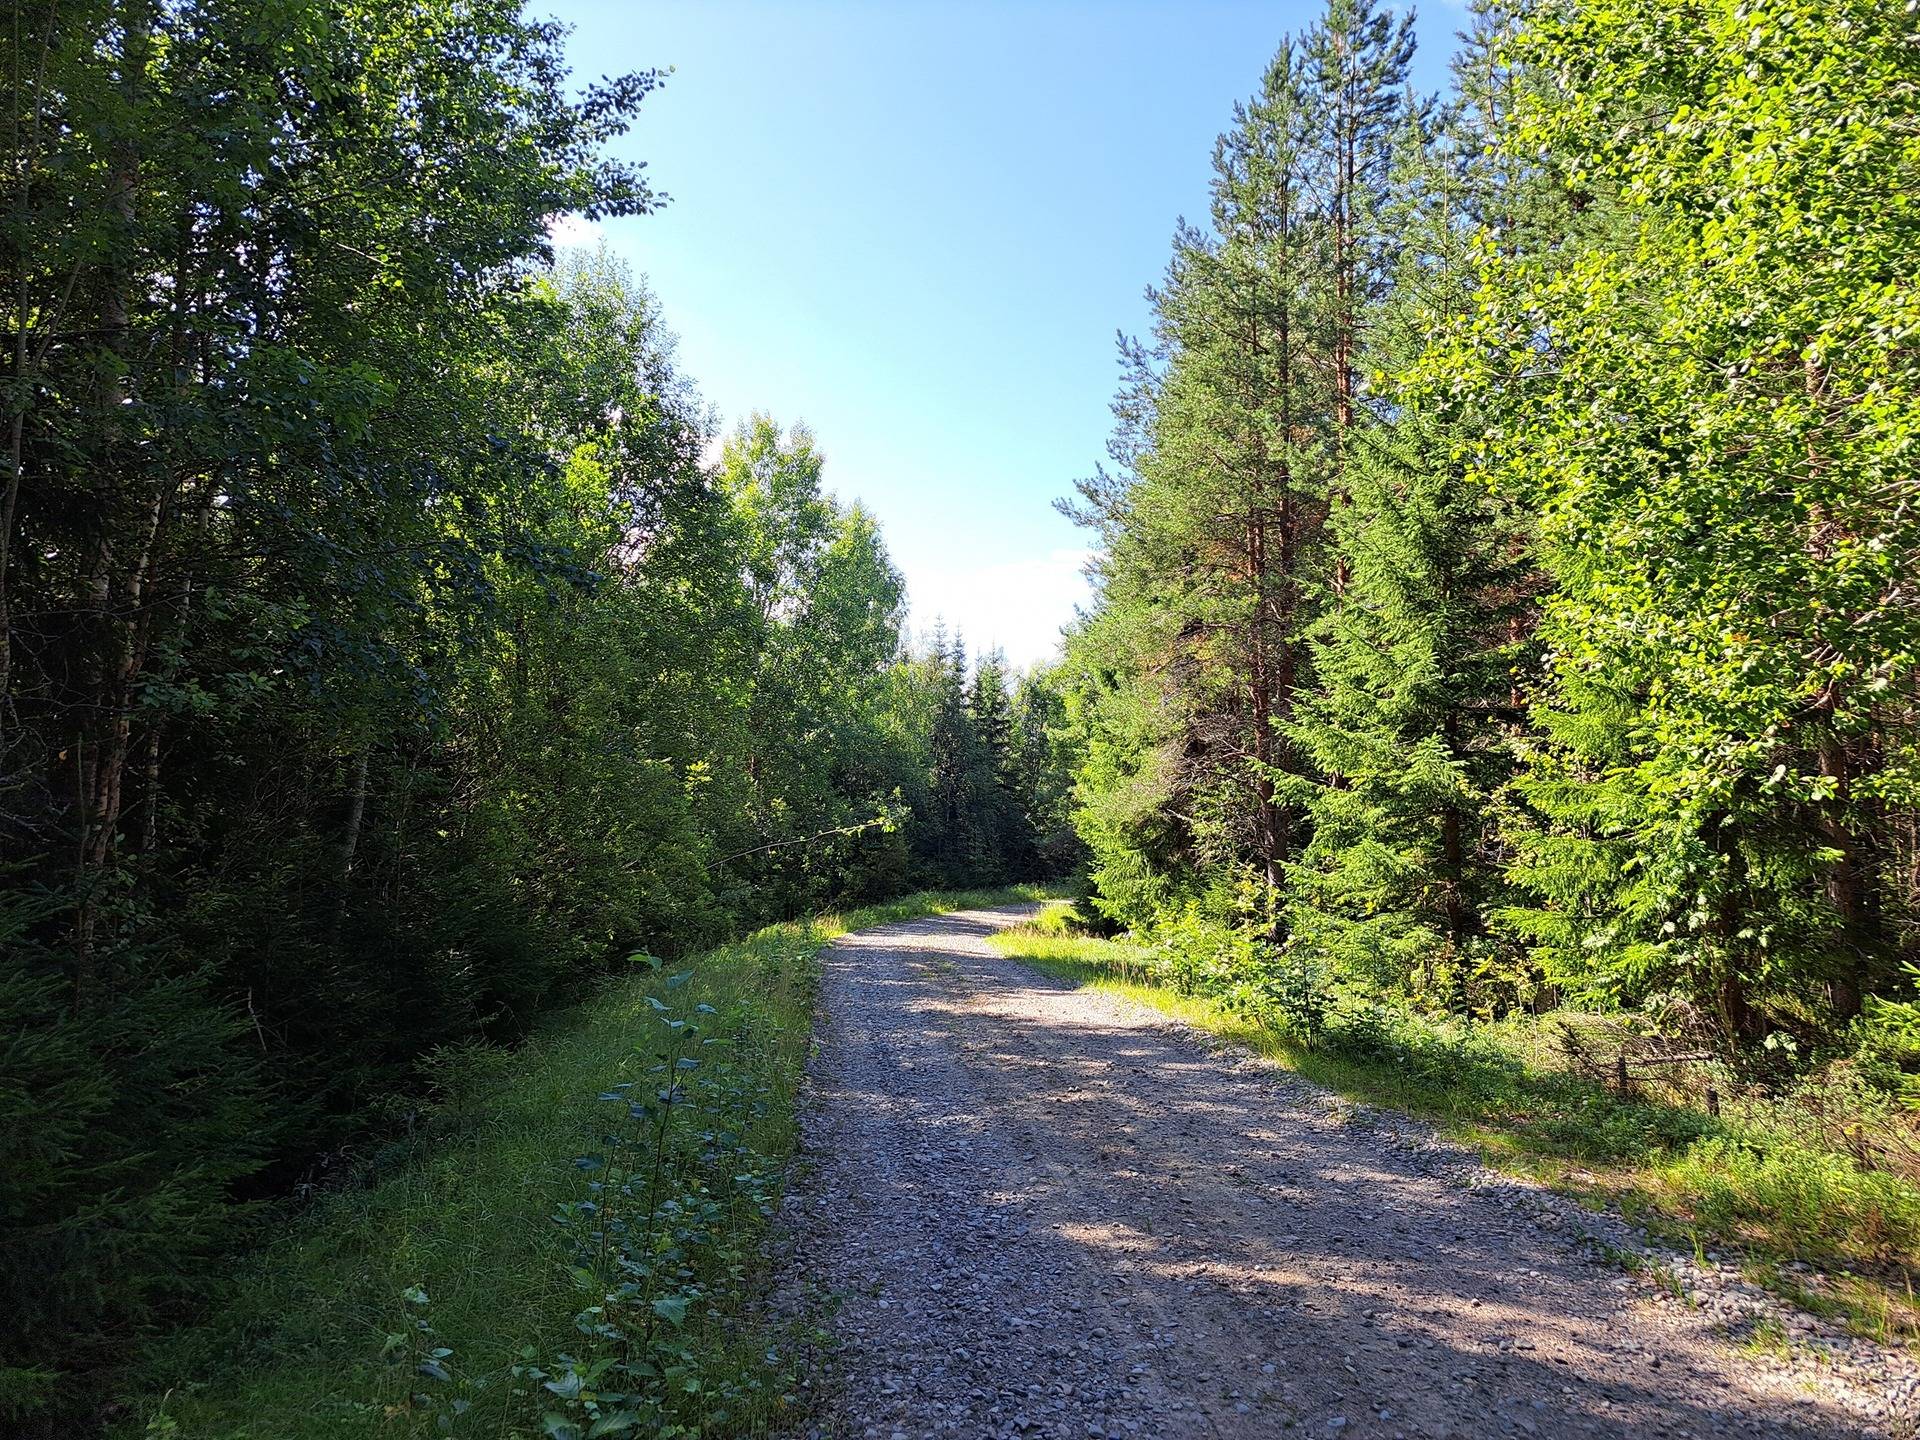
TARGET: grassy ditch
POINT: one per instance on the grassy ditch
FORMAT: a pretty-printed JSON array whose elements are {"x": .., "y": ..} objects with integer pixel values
[
  {"x": 568, "y": 1241},
  {"x": 1750, "y": 1179}
]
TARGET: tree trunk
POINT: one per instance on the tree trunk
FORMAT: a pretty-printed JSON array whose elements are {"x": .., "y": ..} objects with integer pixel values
[
  {"x": 1849, "y": 883},
  {"x": 1452, "y": 861},
  {"x": 1736, "y": 1014},
  {"x": 350, "y": 838}
]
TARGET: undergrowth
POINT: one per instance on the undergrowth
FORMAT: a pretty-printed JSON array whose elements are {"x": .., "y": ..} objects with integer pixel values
[
  {"x": 570, "y": 1242},
  {"x": 1817, "y": 1226}
]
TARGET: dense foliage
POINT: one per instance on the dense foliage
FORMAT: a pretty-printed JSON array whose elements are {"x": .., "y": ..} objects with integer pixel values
[
  {"x": 379, "y": 660},
  {"x": 1506, "y": 592}
]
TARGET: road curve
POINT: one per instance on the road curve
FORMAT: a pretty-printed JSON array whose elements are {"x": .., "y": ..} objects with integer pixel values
[{"x": 1037, "y": 1210}]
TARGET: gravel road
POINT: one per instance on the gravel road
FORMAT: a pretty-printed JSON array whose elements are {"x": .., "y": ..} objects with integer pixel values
[{"x": 1035, "y": 1210}]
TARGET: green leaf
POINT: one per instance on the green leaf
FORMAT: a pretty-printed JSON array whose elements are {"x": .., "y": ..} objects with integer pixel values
[{"x": 614, "y": 1422}]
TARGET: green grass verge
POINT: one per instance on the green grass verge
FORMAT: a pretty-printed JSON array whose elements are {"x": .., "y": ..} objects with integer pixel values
[
  {"x": 498, "y": 1275},
  {"x": 1737, "y": 1182}
]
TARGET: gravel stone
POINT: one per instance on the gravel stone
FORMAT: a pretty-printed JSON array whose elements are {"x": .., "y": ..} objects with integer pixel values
[{"x": 1028, "y": 1210}]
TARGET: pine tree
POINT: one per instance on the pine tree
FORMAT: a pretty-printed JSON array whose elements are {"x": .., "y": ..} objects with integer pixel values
[
  {"x": 1212, "y": 563},
  {"x": 1356, "y": 61}
]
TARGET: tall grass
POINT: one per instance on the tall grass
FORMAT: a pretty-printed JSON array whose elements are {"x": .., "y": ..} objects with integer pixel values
[{"x": 450, "y": 1291}]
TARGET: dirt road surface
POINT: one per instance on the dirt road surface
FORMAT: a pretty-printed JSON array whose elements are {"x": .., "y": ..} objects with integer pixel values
[{"x": 1034, "y": 1210}]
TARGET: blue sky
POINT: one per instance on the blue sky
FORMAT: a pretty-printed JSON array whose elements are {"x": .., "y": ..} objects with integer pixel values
[{"x": 916, "y": 227}]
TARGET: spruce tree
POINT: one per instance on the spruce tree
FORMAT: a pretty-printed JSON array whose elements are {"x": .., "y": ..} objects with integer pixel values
[
  {"x": 1001, "y": 838},
  {"x": 1412, "y": 726},
  {"x": 1042, "y": 763},
  {"x": 953, "y": 765}
]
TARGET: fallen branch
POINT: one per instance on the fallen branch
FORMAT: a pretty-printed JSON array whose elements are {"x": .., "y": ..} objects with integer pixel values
[{"x": 885, "y": 822}]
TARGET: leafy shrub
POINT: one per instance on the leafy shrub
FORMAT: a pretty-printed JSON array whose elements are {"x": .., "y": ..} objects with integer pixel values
[
  {"x": 675, "y": 1206},
  {"x": 1293, "y": 991},
  {"x": 1195, "y": 955}
]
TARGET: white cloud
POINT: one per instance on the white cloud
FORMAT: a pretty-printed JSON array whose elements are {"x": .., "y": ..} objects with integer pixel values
[{"x": 1018, "y": 605}]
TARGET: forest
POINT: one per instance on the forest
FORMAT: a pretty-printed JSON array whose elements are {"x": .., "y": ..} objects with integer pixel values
[
  {"x": 381, "y": 662},
  {"x": 1507, "y": 556},
  {"x": 1504, "y": 593}
]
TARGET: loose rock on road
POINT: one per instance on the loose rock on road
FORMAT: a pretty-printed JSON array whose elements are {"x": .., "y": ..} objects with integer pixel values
[{"x": 1048, "y": 1211}]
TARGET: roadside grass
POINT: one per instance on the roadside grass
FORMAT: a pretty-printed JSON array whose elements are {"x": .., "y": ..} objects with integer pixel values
[
  {"x": 1745, "y": 1180},
  {"x": 1768, "y": 1340},
  {"x": 543, "y": 1242}
]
